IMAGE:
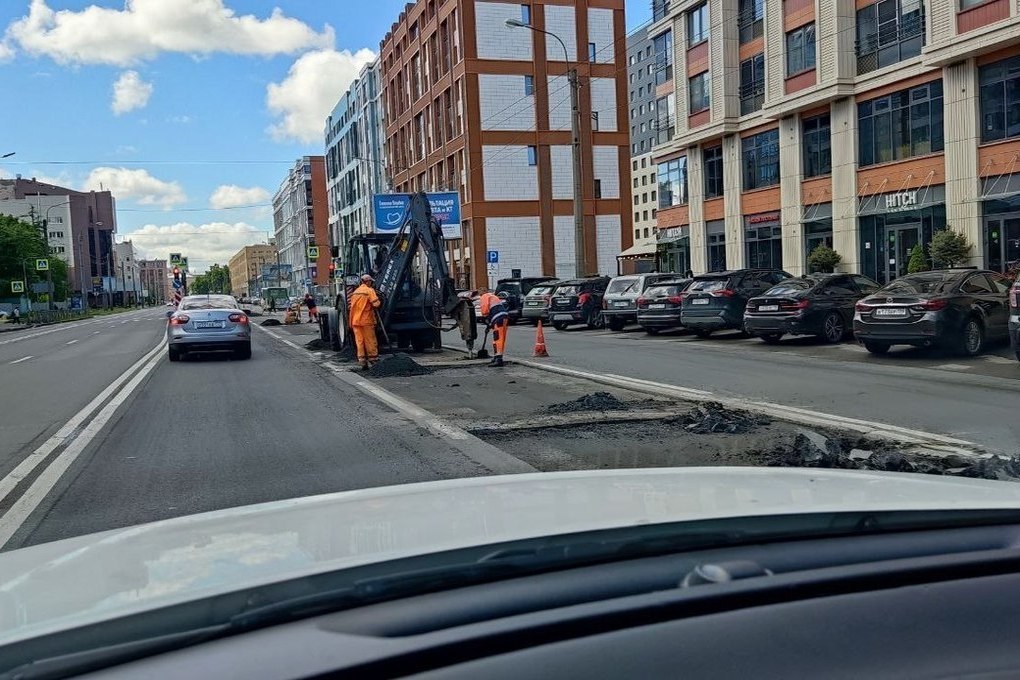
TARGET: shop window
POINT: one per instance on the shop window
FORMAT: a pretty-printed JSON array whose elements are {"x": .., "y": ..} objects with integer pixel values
[
  {"x": 800, "y": 50},
  {"x": 752, "y": 84},
  {"x": 697, "y": 24},
  {"x": 712, "y": 162},
  {"x": 1000, "y": 99},
  {"x": 817, "y": 146},
  {"x": 901, "y": 125},
  {"x": 764, "y": 247},
  {"x": 673, "y": 182},
  {"x": 751, "y": 20},
  {"x": 889, "y": 31},
  {"x": 663, "y": 57},
  {"x": 716, "y": 252},
  {"x": 760, "y": 159},
  {"x": 699, "y": 98},
  {"x": 817, "y": 233}
]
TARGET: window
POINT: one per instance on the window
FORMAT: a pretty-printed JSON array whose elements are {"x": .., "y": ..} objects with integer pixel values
[
  {"x": 1000, "y": 99},
  {"x": 644, "y": 214},
  {"x": 637, "y": 218},
  {"x": 598, "y": 188},
  {"x": 800, "y": 50},
  {"x": 644, "y": 127},
  {"x": 56, "y": 234},
  {"x": 653, "y": 195},
  {"x": 889, "y": 31},
  {"x": 635, "y": 182},
  {"x": 644, "y": 163},
  {"x": 654, "y": 211},
  {"x": 977, "y": 284},
  {"x": 526, "y": 14},
  {"x": 760, "y": 158},
  {"x": 713, "y": 165},
  {"x": 752, "y": 84},
  {"x": 901, "y": 125},
  {"x": 764, "y": 248},
  {"x": 529, "y": 85},
  {"x": 751, "y": 20},
  {"x": 665, "y": 119},
  {"x": 634, "y": 164},
  {"x": 660, "y": 8},
  {"x": 644, "y": 180},
  {"x": 644, "y": 197},
  {"x": 663, "y": 57},
  {"x": 637, "y": 199},
  {"x": 632, "y": 60},
  {"x": 817, "y": 146},
  {"x": 866, "y": 285},
  {"x": 697, "y": 24},
  {"x": 673, "y": 182},
  {"x": 699, "y": 98},
  {"x": 646, "y": 228},
  {"x": 591, "y": 52},
  {"x": 532, "y": 156}
]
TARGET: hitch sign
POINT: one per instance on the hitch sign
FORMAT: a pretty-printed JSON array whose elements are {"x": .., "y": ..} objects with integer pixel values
[{"x": 391, "y": 210}]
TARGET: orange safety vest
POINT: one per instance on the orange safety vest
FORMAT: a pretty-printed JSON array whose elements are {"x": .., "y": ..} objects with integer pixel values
[{"x": 364, "y": 302}]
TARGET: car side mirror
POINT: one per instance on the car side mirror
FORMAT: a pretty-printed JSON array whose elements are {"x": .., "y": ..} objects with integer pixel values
[{"x": 169, "y": 313}]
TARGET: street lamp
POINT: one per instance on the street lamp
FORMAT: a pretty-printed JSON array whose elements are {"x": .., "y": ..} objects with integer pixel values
[
  {"x": 575, "y": 134},
  {"x": 8, "y": 155}
]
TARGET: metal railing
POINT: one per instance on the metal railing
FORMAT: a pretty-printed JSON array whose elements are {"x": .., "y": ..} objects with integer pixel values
[{"x": 42, "y": 316}]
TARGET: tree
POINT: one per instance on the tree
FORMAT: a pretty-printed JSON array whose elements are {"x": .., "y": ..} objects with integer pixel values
[
  {"x": 949, "y": 248},
  {"x": 215, "y": 280},
  {"x": 20, "y": 244},
  {"x": 918, "y": 262},
  {"x": 824, "y": 259}
]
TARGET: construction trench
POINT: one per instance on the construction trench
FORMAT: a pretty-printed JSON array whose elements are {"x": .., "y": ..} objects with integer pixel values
[{"x": 558, "y": 422}]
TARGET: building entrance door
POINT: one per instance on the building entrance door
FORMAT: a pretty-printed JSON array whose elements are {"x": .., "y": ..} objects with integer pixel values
[{"x": 901, "y": 240}]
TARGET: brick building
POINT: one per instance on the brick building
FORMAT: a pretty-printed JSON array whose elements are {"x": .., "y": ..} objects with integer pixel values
[
  {"x": 246, "y": 266},
  {"x": 475, "y": 106},
  {"x": 155, "y": 281},
  {"x": 859, "y": 124}
]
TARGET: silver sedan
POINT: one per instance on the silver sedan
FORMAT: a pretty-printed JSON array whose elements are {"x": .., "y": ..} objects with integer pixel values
[{"x": 208, "y": 323}]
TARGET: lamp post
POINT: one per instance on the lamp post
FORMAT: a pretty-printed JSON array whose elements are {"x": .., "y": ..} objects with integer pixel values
[
  {"x": 575, "y": 145},
  {"x": 46, "y": 236}
]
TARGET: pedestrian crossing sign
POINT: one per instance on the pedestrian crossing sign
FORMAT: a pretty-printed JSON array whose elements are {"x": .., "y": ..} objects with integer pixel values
[
  {"x": 313, "y": 252},
  {"x": 42, "y": 264},
  {"x": 17, "y": 286}
]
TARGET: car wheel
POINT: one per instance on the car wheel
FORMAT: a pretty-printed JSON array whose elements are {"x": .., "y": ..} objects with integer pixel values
[
  {"x": 833, "y": 327},
  {"x": 173, "y": 354},
  {"x": 972, "y": 339},
  {"x": 652, "y": 331},
  {"x": 559, "y": 325},
  {"x": 876, "y": 347},
  {"x": 243, "y": 352},
  {"x": 616, "y": 325},
  {"x": 703, "y": 332},
  {"x": 771, "y": 338}
]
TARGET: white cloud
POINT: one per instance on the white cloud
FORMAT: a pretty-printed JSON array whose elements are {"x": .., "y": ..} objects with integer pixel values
[
  {"x": 306, "y": 96},
  {"x": 6, "y": 51},
  {"x": 137, "y": 185},
  {"x": 203, "y": 244},
  {"x": 233, "y": 196},
  {"x": 145, "y": 28},
  {"x": 130, "y": 92},
  {"x": 180, "y": 120}
]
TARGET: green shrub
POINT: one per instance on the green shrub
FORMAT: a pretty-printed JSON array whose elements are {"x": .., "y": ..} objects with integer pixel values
[
  {"x": 918, "y": 262},
  {"x": 824, "y": 259}
]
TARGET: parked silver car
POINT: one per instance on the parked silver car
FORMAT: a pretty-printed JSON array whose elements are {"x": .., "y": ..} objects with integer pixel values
[
  {"x": 208, "y": 323},
  {"x": 619, "y": 305}
]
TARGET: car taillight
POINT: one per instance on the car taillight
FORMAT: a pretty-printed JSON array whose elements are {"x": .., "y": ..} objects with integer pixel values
[
  {"x": 725, "y": 292},
  {"x": 931, "y": 305},
  {"x": 179, "y": 319},
  {"x": 642, "y": 302},
  {"x": 861, "y": 307},
  {"x": 238, "y": 318},
  {"x": 676, "y": 299},
  {"x": 1014, "y": 298},
  {"x": 799, "y": 304}
]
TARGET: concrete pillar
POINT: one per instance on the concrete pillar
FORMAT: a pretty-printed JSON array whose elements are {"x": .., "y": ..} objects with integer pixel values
[
  {"x": 696, "y": 214},
  {"x": 791, "y": 173},
  {"x": 724, "y": 58},
  {"x": 963, "y": 186},
  {"x": 731, "y": 199},
  {"x": 845, "y": 236}
]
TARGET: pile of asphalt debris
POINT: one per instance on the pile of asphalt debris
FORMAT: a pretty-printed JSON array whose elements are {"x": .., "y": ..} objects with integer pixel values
[
  {"x": 596, "y": 401},
  {"x": 712, "y": 417},
  {"x": 397, "y": 366},
  {"x": 814, "y": 449},
  {"x": 271, "y": 322},
  {"x": 316, "y": 343}
]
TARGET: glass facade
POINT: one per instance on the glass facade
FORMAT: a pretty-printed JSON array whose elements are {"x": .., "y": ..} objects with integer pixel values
[
  {"x": 760, "y": 159},
  {"x": 673, "y": 182},
  {"x": 1000, "y": 99},
  {"x": 712, "y": 162},
  {"x": 716, "y": 244},
  {"x": 699, "y": 91},
  {"x": 752, "y": 84},
  {"x": 763, "y": 241},
  {"x": 800, "y": 50},
  {"x": 887, "y": 239},
  {"x": 1002, "y": 233},
  {"x": 817, "y": 149},
  {"x": 900, "y": 125}
]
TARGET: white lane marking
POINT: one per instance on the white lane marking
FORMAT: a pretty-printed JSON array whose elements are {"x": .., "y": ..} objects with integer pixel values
[
  {"x": 953, "y": 367},
  {"x": 44, "y": 483},
  {"x": 61, "y": 327},
  {"x": 18, "y": 361},
  {"x": 72, "y": 342},
  {"x": 60, "y": 436},
  {"x": 96, "y": 332}
]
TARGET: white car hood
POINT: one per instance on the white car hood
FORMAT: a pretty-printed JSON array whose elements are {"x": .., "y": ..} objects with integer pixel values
[{"x": 68, "y": 583}]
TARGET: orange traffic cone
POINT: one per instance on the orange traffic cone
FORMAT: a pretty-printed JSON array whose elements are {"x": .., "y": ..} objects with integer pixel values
[{"x": 540, "y": 350}]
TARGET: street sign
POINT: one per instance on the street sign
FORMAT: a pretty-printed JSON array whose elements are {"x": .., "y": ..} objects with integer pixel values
[
  {"x": 313, "y": 252},
  {"x": 493, "y": 267},
  {"x": 41, "y": 287},
  {"x": 17, "y": 286},
  {"x": 177, "y": 284},
  {"x": 492, "y": 256},
  {"x": 175, "y": 259},
  {"x": 308, "y": 282},
  {"x": 515, "y": 273},
  {"x": 42, "y": 264},
  {"x": 184, "y": 263}
]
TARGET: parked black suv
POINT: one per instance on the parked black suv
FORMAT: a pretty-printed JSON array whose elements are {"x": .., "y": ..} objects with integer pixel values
[
  {"x": 954, "y": 308},
  {"x": 565, "y": 307},
  {"x": 658, "y": 308},
  {"x": 716, "y": 301},
  {"x": 619, "y": 305},
  {"x": 816, "y": 304}
]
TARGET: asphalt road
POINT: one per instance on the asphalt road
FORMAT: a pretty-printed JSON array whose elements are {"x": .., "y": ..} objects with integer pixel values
[
  {"x": 205, "y": 434},
  {"x": 972, "y": 399}
]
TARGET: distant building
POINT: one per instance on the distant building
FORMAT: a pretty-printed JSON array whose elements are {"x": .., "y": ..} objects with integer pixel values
[
  {"x": 155, "y": 282},
  {"x": 88, "y": 241},
  {"x": 127, "y": 282},
  {"x": 246, "y": 267},
  {"x": 355, "y": 167},
  {"x": 300, "y": 219}
]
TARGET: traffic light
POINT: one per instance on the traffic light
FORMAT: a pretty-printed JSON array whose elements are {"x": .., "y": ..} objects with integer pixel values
[
  {"x": 177, "y": 274},
  {"x": 184, "y": 282},
  {"x": 332, "y": 269}
]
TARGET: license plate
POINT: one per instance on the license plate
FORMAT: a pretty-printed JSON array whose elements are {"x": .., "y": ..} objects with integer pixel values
[
  {"x": 562, "y": 317},
  {"x": 699, "y": 301},
  {"x": 657, "y": 306},
  {"x": 891, "y": 311},
  {"x": 208, "y": 324},
  {"x": 619, "y": 304},
  {"x": 563, "y": 301},
  {"x": 769, "y": 308},
  {"x": 533, "y": 304}
]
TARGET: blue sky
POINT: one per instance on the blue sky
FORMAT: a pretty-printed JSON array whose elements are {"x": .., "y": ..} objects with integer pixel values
[{"x": 135, "y": 95}]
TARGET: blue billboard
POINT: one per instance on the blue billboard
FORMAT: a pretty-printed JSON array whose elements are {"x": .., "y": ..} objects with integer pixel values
[{"x": 390, "y": 211}]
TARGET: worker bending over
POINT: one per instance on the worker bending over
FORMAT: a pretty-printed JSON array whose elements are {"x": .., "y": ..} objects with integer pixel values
[
  {"x": 364, "y": 302},
  {"x": 494, "y": 308}
]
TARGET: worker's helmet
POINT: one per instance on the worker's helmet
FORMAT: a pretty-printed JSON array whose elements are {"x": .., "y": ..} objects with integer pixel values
[{"x": 366, "y": 278}]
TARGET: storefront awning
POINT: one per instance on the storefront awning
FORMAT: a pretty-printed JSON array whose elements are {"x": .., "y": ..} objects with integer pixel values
[{"x": 643, "y": 248}]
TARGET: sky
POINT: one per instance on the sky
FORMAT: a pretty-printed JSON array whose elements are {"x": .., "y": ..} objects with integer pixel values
[{"x": 190, "y": 111}]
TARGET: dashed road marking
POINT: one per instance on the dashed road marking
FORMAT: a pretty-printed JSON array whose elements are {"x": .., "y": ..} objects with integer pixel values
[
  {"x": 953, "y": 367},
  {"x": 18, "y": 361},
  {"x": 71, "y": 342}
]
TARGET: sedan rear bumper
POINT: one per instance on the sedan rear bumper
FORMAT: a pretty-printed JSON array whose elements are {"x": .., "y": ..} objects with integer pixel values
[
  {"x": 209, "y": 342},
  {"x": 926, "y": 331},
  {"x": 659, "y": 320},
  {"x": 758, "y": 325},
  {"x": 707, "y": 322}
]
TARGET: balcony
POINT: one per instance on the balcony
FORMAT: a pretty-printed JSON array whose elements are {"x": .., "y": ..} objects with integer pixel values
[
  {"x": 893, "y": 42},
  {"x": 752, "y": 97}
]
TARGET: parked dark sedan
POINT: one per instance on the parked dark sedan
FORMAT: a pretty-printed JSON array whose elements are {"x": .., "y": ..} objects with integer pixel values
[
  {"x": 716, "y": 301},
  {"x": 567, "y": 306},
  {"x": 658, "y": 308},
  {"x": 958, "y": 309},
  {"x": 1014, "y": 318},
  {"x": 816, "y": 304}
]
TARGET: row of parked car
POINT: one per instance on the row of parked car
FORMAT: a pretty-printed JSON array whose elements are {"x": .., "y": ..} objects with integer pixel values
[{"x": 957, "y": 309}]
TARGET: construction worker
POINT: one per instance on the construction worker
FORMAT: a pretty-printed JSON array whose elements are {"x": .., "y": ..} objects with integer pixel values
[
  {"x": 364, "y": 303},
  {"x": 494, "y": 308}
]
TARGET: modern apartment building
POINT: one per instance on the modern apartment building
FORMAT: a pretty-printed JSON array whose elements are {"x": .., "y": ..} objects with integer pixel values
[
  {"x": 246, "y": 266},
  {"x": 155, "y": 281},
  {"x": 127, "y": 280},
  {"x": 476, "y": 106},
  {"x": 859, "y": 124},
  {"x": 355, "y": 166},
  {"x": 300, "y": 220}
]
